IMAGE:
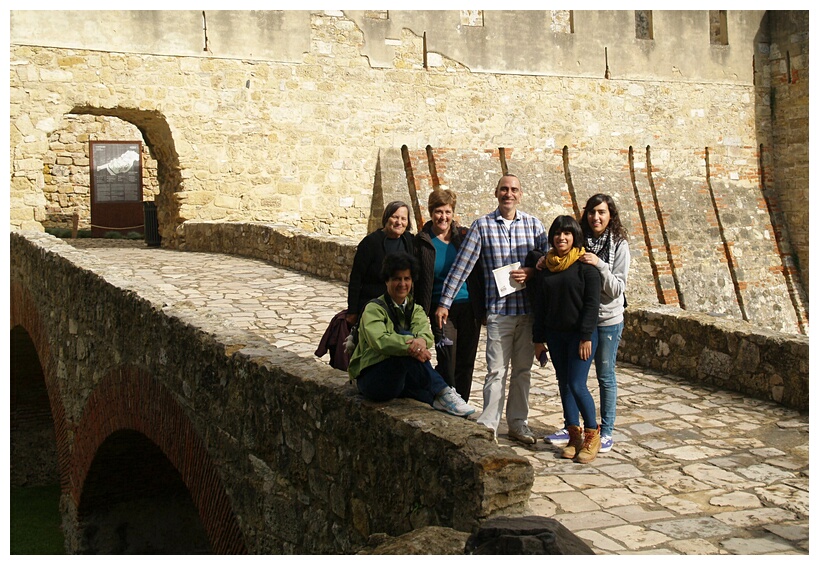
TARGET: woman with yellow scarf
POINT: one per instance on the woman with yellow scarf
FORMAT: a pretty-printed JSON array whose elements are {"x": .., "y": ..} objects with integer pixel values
[{"x": 565, "y": 301}]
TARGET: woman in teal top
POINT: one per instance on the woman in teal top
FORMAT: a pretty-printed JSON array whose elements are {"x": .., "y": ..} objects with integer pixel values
[{"x": 436, "y": 246}]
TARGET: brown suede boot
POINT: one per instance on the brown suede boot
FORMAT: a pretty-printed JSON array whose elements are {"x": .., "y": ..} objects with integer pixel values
[
  {"x": 575, "y": 442},
  {"x": 590, "y": 447}
]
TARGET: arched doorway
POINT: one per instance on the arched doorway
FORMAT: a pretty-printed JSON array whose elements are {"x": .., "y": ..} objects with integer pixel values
[
  {"x": 156, "y": 135},
  {"x": 68, "y": 179}
]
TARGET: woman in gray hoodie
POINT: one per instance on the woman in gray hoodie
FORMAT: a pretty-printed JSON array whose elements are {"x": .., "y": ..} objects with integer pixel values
[{"x": 607, "y": 249}]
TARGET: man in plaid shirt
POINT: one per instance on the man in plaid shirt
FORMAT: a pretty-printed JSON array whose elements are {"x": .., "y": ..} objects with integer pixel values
[{"x": 500, "y": 239}]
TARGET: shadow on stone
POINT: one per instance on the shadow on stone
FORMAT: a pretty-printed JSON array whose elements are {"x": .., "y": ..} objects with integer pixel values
[{"x": 525, "y": 535}]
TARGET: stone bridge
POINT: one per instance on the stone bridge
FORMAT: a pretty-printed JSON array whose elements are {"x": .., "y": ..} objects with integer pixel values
[{"x": 176, "y": 398}]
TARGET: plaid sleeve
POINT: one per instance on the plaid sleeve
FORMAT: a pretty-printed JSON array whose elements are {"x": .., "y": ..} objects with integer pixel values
[{"x": 464, "y": 262}]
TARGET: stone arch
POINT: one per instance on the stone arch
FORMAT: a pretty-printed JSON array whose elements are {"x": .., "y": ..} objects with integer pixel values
[
  {"x": 33, "y": 445},
  {"x": 158, "y": 137},
  {"x": 135, "y": 502},
  {"x": 31, "y": 358},
  {"x": 131, "y": 406},
  {"x": 66, "y": 171}
]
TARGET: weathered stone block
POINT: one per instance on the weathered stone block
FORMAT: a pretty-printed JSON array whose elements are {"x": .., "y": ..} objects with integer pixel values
[
  {"x": 525, "y": 535},
  {"x": 430, "y": 540}
]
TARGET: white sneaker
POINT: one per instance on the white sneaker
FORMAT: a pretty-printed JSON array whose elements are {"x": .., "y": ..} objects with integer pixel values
[
  {"x": 451, "y": 402},
  {"x": 560, "y": 437}
]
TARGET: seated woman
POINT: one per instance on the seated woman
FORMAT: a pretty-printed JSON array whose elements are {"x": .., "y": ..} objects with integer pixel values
[
  {"x": 565, "y": 302},
  {"x": 392, "y": 357}
]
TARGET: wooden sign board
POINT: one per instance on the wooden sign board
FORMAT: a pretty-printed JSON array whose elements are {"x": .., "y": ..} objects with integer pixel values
[{"x": 116, "y": 187}]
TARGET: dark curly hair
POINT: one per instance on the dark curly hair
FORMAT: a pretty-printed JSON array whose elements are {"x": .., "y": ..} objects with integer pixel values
[
  {"x": 400, "y": 261},
  {"x": 618, "y": 232},
  {"x": 569, "y": 224}
]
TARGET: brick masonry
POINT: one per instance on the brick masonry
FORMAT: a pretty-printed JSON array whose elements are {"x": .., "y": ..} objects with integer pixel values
[
  {"x": 789, "y": 79},
  {"x": 129, "y": 399}
]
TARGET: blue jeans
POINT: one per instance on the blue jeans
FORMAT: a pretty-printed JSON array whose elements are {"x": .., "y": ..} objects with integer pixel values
[
  {"x": 604, "y": 360},
  {"x": 400, "y": 377},
  {"x": 572, "y": 375}
]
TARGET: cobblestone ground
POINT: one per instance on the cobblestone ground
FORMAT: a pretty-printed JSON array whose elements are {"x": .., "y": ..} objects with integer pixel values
[{"x": 693, "y": 470}]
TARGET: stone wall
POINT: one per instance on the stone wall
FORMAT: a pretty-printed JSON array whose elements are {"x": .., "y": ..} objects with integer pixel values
[
  {"x": 789, "y": 68},
  {"x": 708, "y": 348},
  {"x": 709, "y": 250},
  {"x": 295, "y": 139},
  {"x": 330, "y": 257},
  {"x": 315, "y": 120},
  {"x": 726, "y": 354},
  {"x": 353, "y": 109},
  {"x": 278, "y": 455}
]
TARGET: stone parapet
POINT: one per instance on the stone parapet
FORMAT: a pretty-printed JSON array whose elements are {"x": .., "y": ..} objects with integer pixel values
[
  {"x": 721, "y": 352},
  {"x": 308, "y": 252},
  {"x": 725, "y": 352}
]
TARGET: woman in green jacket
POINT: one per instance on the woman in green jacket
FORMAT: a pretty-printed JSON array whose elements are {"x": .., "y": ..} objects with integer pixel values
[{"x": 392, "y": 357}]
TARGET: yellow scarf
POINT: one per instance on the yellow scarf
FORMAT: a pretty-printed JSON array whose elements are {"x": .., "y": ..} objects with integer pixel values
[{"x": 556, "y": 264}]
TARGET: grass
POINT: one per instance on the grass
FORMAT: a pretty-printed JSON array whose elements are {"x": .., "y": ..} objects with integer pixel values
[
  {"x": 64, "y": 233},
  {"x": 35, "y": 521}
]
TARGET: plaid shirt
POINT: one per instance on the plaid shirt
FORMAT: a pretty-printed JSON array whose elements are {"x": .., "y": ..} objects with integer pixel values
[{"x": 490, "y": 240}]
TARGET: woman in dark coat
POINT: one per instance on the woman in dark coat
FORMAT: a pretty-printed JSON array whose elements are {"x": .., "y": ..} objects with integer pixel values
[
  {"x": 565, "y": 304},
  {"x": 436, "y": 246},
  {"x": 365, "y": 278}
]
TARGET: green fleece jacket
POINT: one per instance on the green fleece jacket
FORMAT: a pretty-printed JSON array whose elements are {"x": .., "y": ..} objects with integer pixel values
[{"x": 377, "y": 338}]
